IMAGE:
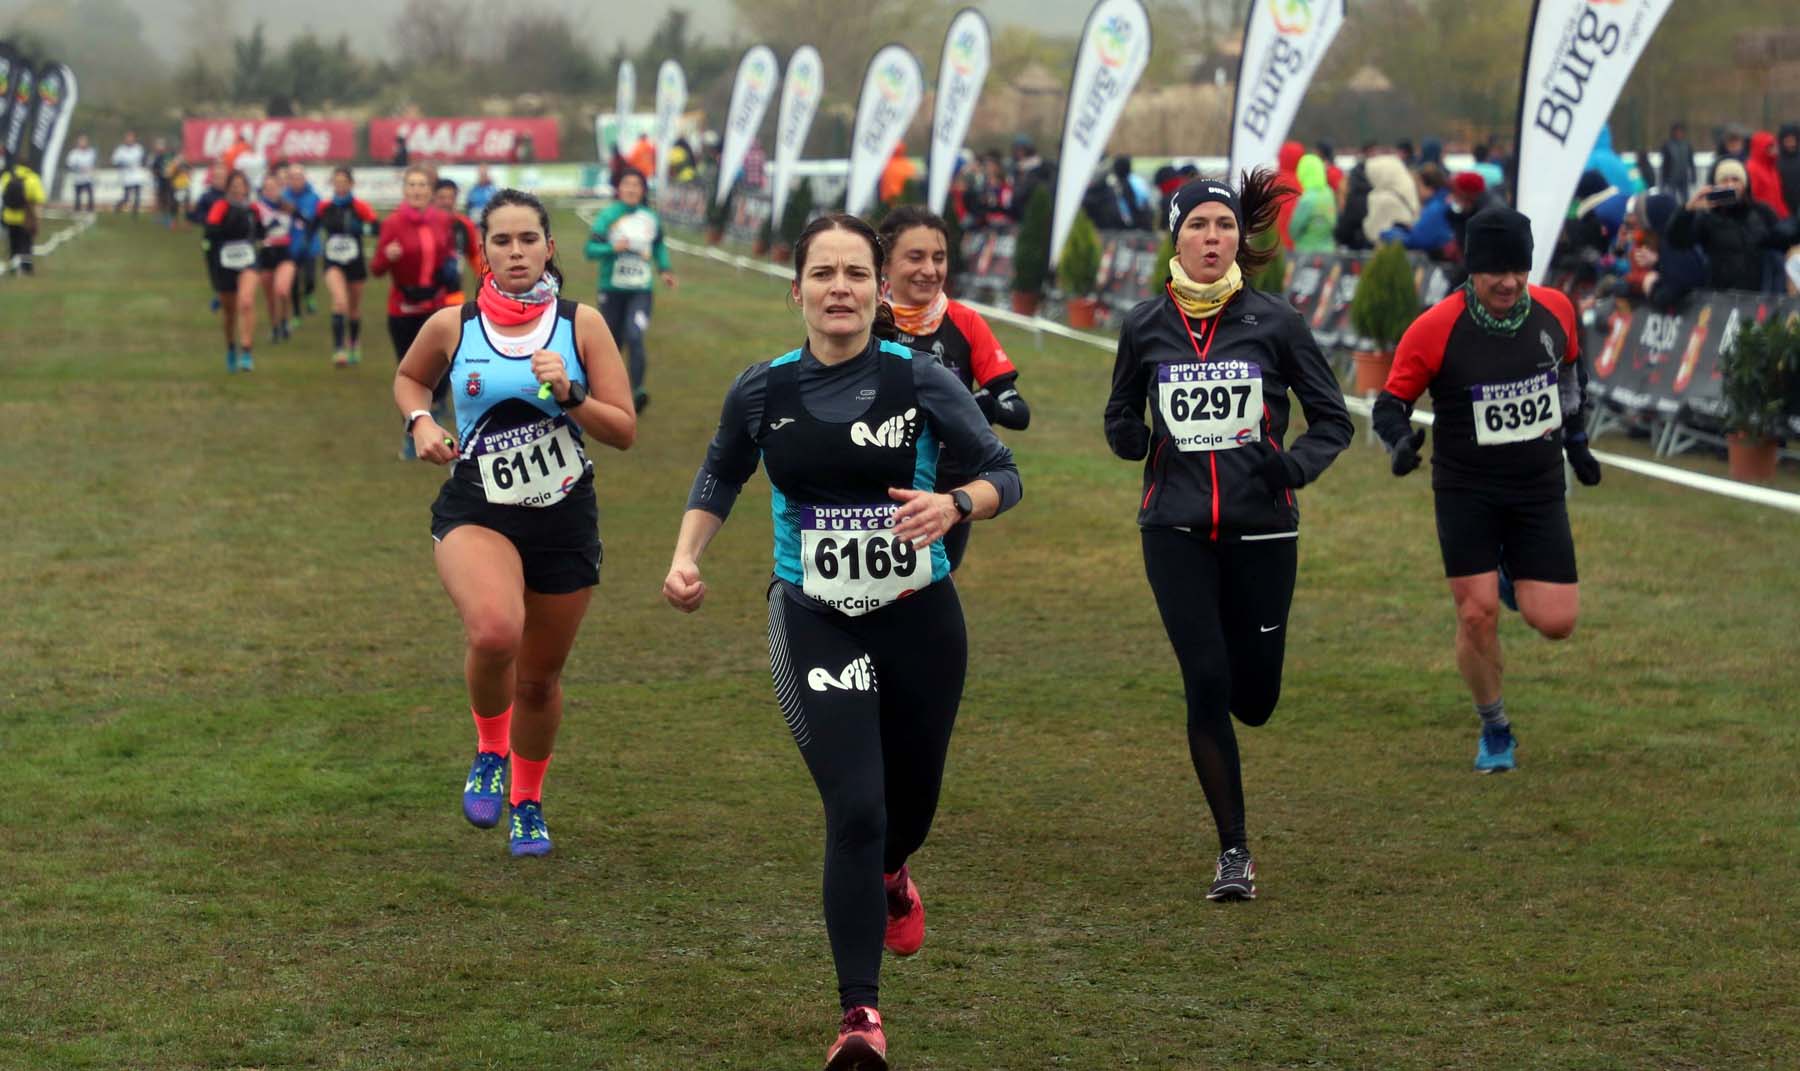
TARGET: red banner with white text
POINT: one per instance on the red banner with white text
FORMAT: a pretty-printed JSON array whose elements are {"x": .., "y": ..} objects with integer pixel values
[
  {"x": 467, "y": 140},
  {"x": 306, "y": 140}
]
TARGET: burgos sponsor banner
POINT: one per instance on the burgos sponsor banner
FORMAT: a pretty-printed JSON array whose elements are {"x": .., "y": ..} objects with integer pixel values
[
  {"x": 1115, "y": 46},
  {"x": 671, "y": 98},
  {"x": 466, "y": 139},
  {"x": 19, "y": 111},
  {"x": 9, "y": 62},
  {"x": 800, "y": 93},
  {"x": 624, "y": 100},
  {"x": 50, "y": 124},
  {"x": 962, "y": 69},
  {"x": 892, "y": 90},
  {"x": 750, "y": 95},
  {"x": 1284, "y": 40},
  {"x": 305, "y": 140},
  {"x": 1580, "y": 54}
]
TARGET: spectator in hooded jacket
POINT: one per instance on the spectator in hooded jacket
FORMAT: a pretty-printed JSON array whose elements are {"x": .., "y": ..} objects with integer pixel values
[
  {"x": 1787, "y": 165},
  {"x": 1737, "y": 236},
  {"x": 1468, "y": 195},
  {"x": 1288, "y": 159},
  {"x": 1678, "y": 173},
  {"x": 1354, "y": 210},
  {"x": 1334, "y": 175},
  {"x": 1393, "y": 197},
  {"x": 1431, "y": 232},
  {"x": 1315, "y": 213},
  {"x": 1765, "y": 174}
]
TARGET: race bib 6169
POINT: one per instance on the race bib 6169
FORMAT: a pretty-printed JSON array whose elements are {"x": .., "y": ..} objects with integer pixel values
[{"x": 851, "y": 561}]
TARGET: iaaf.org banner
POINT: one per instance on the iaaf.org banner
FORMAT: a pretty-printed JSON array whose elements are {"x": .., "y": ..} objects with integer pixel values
[
  {"x": 671, "y": 99},
  {"x": 962, "y": 68},
  {"x": 1579, "y": 56},
  {"x": 306, "y": 140},
  {"x": 50, "y": 121},
  {"x": 892, "y": 90},
  {"x": 750, "y": 95},
  {"x": 1115, "y": 47},
  {"x": 800, "y": 93},
  {"x": 467, "y": 139},
  {"x": 1284, "y": 40}
]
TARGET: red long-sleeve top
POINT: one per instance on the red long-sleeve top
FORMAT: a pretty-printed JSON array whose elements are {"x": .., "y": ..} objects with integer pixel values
[{"x": 424, "y": 237}]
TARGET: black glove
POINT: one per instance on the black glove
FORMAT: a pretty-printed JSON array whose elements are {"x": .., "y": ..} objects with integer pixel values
[
  {"x": 1129, "y": 439},
  {"x": 984, "y": 400},
  {"x": 1406, "y": 455},
  {"x": 1277, "y": 473},
  {"x": 1581, "y": 459}
]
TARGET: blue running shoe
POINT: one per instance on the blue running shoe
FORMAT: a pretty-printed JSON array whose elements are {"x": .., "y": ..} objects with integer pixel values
[
  {"x": 1508, "y": 597},
  {"x": 530, "y": 836},
  {"x": 484, "y": 791},
  {"x": 246, "y": 361},
  {"x": 231, "y": 359},
  {"x": 1494, "y": 754}
]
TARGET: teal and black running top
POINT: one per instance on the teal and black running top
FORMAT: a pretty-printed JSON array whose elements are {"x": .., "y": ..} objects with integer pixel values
[{"x": 842, "y": 435}]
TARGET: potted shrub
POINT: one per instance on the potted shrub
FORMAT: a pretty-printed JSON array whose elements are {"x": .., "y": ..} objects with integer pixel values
[
  {"x": 1272, "y": 279},
  {"x": 765, "y": 237},
  {"x": 1384, "y": 306},
  {"x": 718, "y": 214},
  {"x": 1079, "y": 271},
  {"x": 794, "y": 217},
  {"x": 1756, "y": 374},
  {"x": 1031, "y": 253}
]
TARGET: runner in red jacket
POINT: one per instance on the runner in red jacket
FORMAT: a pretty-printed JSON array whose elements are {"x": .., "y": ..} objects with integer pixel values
[{"x": 415, "y": 247}]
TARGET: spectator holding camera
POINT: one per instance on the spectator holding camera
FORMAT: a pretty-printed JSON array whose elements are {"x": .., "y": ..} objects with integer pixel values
[{"x": 1736, "y": 234}]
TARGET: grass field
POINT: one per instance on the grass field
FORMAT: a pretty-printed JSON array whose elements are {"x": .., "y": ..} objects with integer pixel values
[{"x": 233, "y": 725}]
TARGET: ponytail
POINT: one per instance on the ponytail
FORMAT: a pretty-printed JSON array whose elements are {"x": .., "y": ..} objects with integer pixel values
[
  {"x": 1261, "y": 196},
  {"x": 884, "y": 328}
]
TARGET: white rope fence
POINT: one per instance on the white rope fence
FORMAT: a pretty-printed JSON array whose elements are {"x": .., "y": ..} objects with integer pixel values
[{"x": 83, "y": 220}]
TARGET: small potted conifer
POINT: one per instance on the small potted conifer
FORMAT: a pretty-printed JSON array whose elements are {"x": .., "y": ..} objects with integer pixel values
[{"x": 1384, "y": 306}]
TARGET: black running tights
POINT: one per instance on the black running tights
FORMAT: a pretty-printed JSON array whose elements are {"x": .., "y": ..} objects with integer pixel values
[
  {"x": 870, "y": 701},
  {"x": 1225, "y": 608}
]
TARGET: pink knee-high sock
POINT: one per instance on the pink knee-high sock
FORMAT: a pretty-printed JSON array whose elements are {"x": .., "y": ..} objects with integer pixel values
[
  {"x": 528, "y": 778},
  {"x": 493, "y": 733}
]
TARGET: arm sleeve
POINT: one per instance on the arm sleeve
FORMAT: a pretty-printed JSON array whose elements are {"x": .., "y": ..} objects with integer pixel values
[
  {"x": 363, "y": 211},
  {"x": 598, "y": 248},
  {"x": 987, "y": 360},
  {"x": 1126, "y": 433},
  {"x": 1571, "y": 381},
  {"x": 1000, "y": 401},
  {"x": 1328, "y": 427},
  {"x": 964, "y": 432},
  {"x": 733, "y": 454},
  {"x": 378, "y": 261},
  {"x": 216, "y": 214}
]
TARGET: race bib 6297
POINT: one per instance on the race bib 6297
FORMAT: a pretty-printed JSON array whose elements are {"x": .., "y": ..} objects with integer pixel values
[{"x": 1212, "y": 405}]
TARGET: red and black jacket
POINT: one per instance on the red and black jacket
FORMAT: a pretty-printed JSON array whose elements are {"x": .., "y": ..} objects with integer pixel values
[
  {"x": 1221, "y": 492},
  {"x": 1446, "y": 352}
]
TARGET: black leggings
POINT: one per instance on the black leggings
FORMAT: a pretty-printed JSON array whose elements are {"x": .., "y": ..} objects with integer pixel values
[
  {"x": 870, "y": 701},
  {"x": 1225, "y": 608},
  {"x": 403, "y": 330},
  {"x": 627, "y": 314}
]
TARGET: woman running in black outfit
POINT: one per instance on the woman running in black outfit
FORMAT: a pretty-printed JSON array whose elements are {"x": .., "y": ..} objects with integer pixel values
[{"x": 1213, "y": 360}]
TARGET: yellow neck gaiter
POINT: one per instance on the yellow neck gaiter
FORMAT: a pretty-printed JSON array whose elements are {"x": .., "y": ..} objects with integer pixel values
[{"x": 1201, "y": 300}]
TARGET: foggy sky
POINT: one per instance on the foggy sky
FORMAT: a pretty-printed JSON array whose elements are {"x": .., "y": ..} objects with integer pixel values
[{"x": 367, "y": 21}]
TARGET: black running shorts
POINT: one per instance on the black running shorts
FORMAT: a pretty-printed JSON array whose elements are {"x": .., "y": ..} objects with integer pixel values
[
  {"x": 1477, "y": 530},
  {"x": 559, "y": 546}
]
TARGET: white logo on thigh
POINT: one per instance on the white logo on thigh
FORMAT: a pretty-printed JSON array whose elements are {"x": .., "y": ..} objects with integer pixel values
[
  {"x": 895, "y": 432},
  {"x": 858, "y": 676}
]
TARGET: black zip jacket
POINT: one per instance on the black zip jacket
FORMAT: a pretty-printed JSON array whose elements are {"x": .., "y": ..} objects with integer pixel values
[{"x": 1244, "y": 491}]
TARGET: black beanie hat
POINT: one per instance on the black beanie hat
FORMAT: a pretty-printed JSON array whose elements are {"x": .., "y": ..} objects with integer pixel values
[
  {"x": 1498, "y": 240},
  {"x": 1196, "y": 193}
]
